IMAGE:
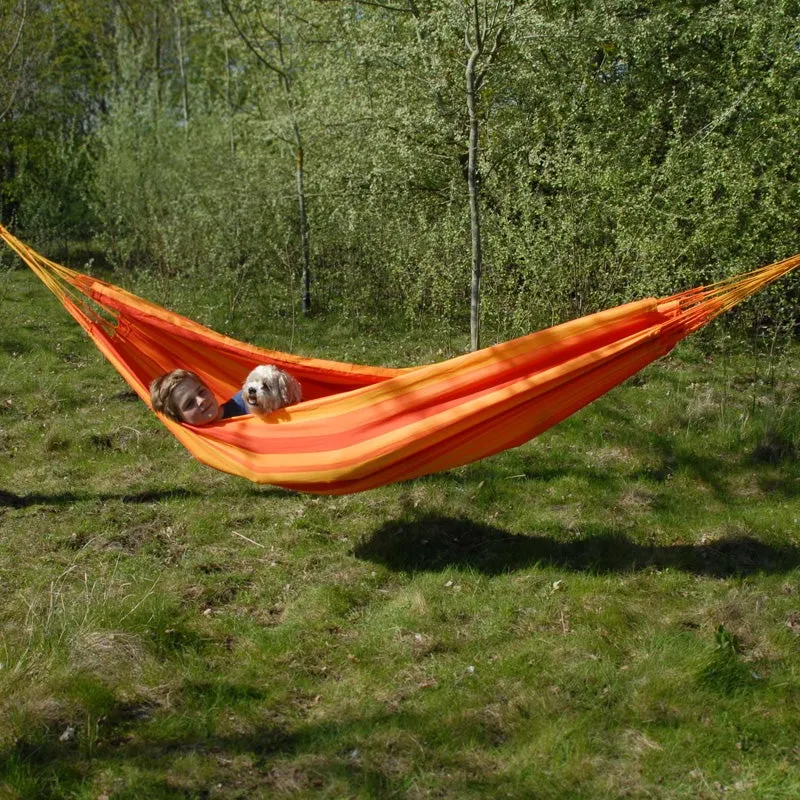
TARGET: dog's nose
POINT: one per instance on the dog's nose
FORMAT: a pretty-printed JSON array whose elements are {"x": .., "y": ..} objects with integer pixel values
[{"x": 251, "y": 391}]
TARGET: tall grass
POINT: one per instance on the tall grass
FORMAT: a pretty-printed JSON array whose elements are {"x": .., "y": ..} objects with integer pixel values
[{"x": 609, "y": 611}]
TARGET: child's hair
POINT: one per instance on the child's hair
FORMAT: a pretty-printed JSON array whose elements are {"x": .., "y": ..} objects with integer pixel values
[{"x": 163, "y": 388}]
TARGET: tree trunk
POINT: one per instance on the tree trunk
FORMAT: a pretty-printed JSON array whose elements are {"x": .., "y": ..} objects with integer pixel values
[
  {"x": 474, "y": 204},
  {"x": 157, "y": 61},
  {"x": 182, "y": 67},
  {"x": 228, "y": 103},
  {"x": 304, "y": 237},
  {"x": 283, "y": 73}
]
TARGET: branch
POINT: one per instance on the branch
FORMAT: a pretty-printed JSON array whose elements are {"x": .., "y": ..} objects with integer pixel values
[
  {"x": 11, "y": 100},
  {"x": 495, "y": 11},
  {"x": 10, "y": 55},
  {"x": 19, "y": 32},
  {"x": 250, "y": 46},
  {"x": 131, "y": 27},
  {"x": 477, "y": 21},
  {"x": 274, "y": 36},
  {"x": 498, "y": 41},
  {"x": 496, "y": 45},
  {"x": 410, "y": 9}
]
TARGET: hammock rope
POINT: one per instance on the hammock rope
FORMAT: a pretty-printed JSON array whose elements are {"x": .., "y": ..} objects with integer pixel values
[{"x": 364, "y": 426}]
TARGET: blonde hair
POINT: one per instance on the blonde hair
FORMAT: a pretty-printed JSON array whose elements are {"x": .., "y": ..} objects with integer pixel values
[{"x": 163, "y": 388}]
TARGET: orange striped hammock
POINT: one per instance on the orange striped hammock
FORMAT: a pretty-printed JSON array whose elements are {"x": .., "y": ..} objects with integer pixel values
[{"x": 359, "y": 426}]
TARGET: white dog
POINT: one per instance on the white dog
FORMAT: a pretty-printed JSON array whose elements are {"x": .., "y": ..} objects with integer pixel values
[{"x": 268, "y": 388}]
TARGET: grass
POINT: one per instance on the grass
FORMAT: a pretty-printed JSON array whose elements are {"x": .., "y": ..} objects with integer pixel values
[{"x": 609, "y": 611}]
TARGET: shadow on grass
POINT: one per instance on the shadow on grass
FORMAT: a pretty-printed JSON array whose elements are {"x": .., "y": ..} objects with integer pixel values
[
  {"x": 432, "y": 543},
  {"x": 12, "y": 500},
  {"x": 265, "y": 761},
  {"x": 45, "y": 768}
]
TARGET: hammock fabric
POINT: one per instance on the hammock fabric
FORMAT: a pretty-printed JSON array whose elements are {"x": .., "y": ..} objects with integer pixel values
[{"x": 360, "y": 427}]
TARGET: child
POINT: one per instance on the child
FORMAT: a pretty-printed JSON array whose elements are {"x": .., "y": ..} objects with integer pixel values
[{"x": 181, "y": 395}]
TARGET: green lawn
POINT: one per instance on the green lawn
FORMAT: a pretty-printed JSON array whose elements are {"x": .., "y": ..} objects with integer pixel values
[{"x": 612, "y": 610}]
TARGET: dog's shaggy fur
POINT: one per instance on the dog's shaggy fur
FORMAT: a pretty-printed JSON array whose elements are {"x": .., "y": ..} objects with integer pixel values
[{"x": 268, "y": 388}]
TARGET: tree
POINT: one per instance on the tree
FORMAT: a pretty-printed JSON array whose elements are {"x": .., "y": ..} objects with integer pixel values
[
  {"x": 180, "y": 45},
  {"x": 12, "y": 58},
  {"x": 484, "y": 31},
  {"x": 274, "y": 42},
  {"x": 54, "y": 77}
]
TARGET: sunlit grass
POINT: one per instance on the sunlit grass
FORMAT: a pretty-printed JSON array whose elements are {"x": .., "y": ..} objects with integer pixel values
[{"x": 611, "y": 610}]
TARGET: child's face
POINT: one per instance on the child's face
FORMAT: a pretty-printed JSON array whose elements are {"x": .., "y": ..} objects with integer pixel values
[{"x": 195, "y": 402}]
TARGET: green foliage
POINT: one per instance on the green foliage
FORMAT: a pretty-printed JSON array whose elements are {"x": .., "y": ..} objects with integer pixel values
[
  {"x": 627, "y": 149},
  {"x": 55, "y": 78}
]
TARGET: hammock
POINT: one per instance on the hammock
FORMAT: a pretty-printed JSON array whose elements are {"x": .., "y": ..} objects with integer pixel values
[{"x": 359, "y": 426}]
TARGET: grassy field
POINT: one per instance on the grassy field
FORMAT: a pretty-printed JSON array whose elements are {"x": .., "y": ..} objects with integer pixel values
[{"x": 612, "y": 610}]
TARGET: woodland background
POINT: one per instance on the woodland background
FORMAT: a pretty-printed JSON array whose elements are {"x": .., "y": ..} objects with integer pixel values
[
  {"x": 610, "y": 611},
  {"x": 624, "y": 148}
]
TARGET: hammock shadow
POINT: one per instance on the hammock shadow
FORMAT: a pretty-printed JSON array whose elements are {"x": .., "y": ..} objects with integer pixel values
[{"x": 433, "y": 543}]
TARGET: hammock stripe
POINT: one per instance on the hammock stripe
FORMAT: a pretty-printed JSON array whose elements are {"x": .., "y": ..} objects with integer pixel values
[{"x": 362, "y": 426}]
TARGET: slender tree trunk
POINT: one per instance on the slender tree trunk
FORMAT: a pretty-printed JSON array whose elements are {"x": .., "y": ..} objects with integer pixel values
[
  {"x": 305, "y": 247},
  {"x": 182, "y": 67},
  {"x": 157, "y": 60},
  {"x": 304, "y": 237},
  {"x": 281, "y": 70},
  {"x": 474, "y": 203},
  {"x": 10, "y": 90},
  {"x": 228, "y": 102}
]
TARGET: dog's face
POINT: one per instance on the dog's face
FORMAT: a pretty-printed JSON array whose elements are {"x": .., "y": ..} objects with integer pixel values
[{"x": 268, "y": 388}]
